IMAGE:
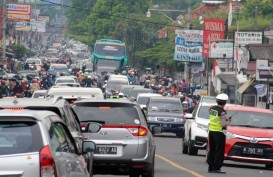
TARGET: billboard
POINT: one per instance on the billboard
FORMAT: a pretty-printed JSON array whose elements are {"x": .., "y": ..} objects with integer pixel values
[
  {"x": 18, "y": 12},
  {"x": 188, "y": 46},
  {"x": 43, "y": 18},
  {"x": 214, "y": 29},
  {"x": 23, "y": 26},
  {"x": 39, "y": 1},
  {"x": 38, "y": 26},
  {"x": 221, "y": 49}
]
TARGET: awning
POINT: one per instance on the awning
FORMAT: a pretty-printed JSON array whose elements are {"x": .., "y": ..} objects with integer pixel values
[
  {"x": 228, "y": 78},
  {"x": 245, "y": 86}
]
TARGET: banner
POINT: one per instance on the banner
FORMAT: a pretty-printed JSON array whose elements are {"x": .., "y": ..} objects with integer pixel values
[
  {"x": 214, "y": 29},
  {"x": 261, "y": 90},
  {"x": 23, "y": 26},
  {"x": 18, "y": 12},
  {"x": 188, "y": 46},
  {"x": 38, "y": 26},
  {"x": 43, "y": 18},
  {"x": 221, "y": 49}
]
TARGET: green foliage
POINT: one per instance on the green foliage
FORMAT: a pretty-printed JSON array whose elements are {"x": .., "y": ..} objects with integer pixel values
[{"x": 18, "y": 50}]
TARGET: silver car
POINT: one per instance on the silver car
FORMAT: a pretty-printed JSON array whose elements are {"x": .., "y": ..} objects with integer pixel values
[
  {"x": 125, "y": 144},
  {"x": 38, "y": 143}
]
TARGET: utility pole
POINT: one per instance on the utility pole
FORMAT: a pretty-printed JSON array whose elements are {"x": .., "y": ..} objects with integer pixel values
[
  {"x": 187, "y": 68},
  {"x": 4, "y": 31}
]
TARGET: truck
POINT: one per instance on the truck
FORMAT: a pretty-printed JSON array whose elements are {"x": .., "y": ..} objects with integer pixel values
[{"x": 109, "y": 56}]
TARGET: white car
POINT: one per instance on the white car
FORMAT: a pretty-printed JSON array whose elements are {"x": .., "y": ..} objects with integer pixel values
[
  {"x": 34, "y": 62},
  {"x": 115, "y": 76},
  {"x": 39, "y": 94},
  {"x": 196, "y": 129},
  {"x": 73, "y": 93},
  {"x": 143, "y": 98},
  {"x": 65, "y": 79}
]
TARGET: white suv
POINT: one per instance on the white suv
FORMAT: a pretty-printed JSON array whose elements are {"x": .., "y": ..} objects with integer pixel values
[{"x": 196, "y": 129}]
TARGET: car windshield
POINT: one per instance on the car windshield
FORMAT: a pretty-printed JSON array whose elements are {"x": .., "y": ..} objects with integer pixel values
[
  {"x": 125, "y": 90},
  {"x": 165, "y": 106},
  {"x": 38, "y": 95},
  {"x": 107, "y": 113},
  {"x": 59, "y": 81},
  {"x": 117, "y": 83},
  {"x": 142, "y": 100},
  {"x": 24, "y": 74},
  {"x": 251, "y": 119},
  {"x": 110, "y": 50},
  {"x": 19, "y": 137},
  {"x": 134, "y": 92},
  {"x": 243, "y": 118},
  {"x": 33, "y": 61}
]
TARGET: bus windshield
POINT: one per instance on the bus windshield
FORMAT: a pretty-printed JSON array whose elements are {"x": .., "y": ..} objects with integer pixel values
[{"x": 110, "y": 50}]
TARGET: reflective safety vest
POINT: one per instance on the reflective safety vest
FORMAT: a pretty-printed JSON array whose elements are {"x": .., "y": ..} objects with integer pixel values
[{"x": 215, "y": 123}]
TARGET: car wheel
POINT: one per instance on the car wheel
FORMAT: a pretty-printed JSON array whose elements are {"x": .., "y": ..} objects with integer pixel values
[
  {"x": 180, "y": 134},
  {"x": 184, "y": 147},
  {"x": 269, "y": 166},
  {"x": 191, "y": 149},
  {"x": 151, "y": 172}
]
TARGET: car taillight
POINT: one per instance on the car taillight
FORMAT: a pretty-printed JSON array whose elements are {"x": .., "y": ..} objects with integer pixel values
[
  {"x": 47, "y": 165},
  {"x": 134, "y": 130}
]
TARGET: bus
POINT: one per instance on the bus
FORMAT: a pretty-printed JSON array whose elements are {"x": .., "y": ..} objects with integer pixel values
[{"x": 109, "y": 56}]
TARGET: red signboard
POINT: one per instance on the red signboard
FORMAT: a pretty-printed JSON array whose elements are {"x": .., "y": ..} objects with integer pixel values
[{"x": 213, "y": 29}]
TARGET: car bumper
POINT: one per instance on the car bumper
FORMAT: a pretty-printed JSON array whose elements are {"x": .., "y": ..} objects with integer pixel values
[
  {"x": 168, "y": 127},
  {"x": 200, "y": 142},
  {"x": 234, "y": 151},
  {"x": 120, "y": 167}
]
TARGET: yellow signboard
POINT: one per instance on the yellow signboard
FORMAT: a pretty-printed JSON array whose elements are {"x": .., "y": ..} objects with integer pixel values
[{"x": 18, "y": 17}]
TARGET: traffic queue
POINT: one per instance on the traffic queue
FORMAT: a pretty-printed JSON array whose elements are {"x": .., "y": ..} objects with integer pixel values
[{"x": 64, "y": 119}]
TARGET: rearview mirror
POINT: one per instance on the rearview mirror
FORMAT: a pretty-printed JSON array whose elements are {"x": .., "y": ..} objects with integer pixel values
[
  {"x": 188, "y": 116},
  {"x": 92, "y": 127},
  {"x": 88, "y": 146}
]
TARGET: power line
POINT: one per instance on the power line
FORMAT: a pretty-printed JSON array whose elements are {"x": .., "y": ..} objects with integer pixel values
[{"x": 110, "y": 15}]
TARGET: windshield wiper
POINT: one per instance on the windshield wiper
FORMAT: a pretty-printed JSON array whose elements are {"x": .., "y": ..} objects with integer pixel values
[
  {"x": 97, "y": 121},
  {"x": 266, "y": 127}
]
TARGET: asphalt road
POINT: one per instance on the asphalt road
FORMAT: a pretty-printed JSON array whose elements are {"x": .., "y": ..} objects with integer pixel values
[{"x": 170, "y": 162}]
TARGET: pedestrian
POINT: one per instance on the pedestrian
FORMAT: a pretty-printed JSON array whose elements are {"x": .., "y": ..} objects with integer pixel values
[{"x": 217, "y": 139}]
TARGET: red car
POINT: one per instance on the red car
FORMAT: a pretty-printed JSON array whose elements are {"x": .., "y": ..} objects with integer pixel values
[{"x": 249, "y": 137}]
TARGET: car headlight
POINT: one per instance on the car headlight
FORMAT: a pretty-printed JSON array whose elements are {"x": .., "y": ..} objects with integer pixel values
[
  {"x": 202, "y": 126},
  {"x": 152, "y": 118},
  {"x": 179, "y": 120},
  {"x": 229, "y": 135}
]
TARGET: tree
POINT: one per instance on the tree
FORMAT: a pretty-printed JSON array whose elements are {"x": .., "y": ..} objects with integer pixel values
[{"x": 18, "y": 50}]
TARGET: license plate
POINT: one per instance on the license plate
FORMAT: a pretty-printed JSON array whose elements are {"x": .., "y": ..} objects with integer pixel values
[
  {"x": 165, "y": 125},
  {"x": 254, "y": 151},
  {"x": 106, "y": 150}
]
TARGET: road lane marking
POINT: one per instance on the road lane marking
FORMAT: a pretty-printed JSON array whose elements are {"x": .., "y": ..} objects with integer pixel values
[{"x": 179, "y": 166}]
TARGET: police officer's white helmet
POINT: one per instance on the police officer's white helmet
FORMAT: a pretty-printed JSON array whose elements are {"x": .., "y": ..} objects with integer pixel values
[{"x": 222, "y": 97}]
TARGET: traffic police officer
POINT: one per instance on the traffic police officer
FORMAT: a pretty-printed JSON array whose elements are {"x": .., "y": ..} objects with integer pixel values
[{"x": 217, "y": 139}]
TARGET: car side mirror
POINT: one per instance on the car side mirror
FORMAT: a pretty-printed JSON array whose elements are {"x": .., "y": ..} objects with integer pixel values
[
  {"x": 188, "y": 116},
  {"x": 88, "y": 146},
  {"x": 92, "y": 127}
]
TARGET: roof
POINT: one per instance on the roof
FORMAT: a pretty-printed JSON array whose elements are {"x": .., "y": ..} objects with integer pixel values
[
  {"x": 33, "y": 102},
  {"x": 261, "y": 51},
  {"x": 148, "y": 94},
  {"x": 228, "y": 78},
  {"x": 38, "y": 115},
  {"x": 74, "y": 89},
  {"x": 250, "y": 109},
  {"x": 131, "y": 86},
  {"x": 165, "y": 98},
  {"x": 106, "y": 101}
]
